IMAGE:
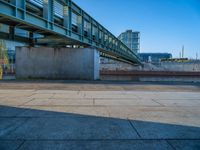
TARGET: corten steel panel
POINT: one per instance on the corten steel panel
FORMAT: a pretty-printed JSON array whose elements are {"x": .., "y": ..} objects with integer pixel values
[{"x": 22, "y": 13}]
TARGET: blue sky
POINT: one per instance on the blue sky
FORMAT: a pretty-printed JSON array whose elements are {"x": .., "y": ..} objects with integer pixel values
[{"x": 165, "y": 25}]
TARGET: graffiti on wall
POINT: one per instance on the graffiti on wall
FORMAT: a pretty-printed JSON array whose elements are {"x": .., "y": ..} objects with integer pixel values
[{"x": 6, "y": 67}]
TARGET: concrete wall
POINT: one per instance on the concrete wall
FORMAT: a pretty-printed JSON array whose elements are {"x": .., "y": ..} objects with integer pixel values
[
  {"x": 57, "y": 63},
  {"x": 114, "y": 65},
  {"x": 193, "y": 66}
]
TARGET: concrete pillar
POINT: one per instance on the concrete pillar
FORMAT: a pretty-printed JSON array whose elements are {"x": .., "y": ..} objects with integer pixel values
[{"x": 57, "y": 63}]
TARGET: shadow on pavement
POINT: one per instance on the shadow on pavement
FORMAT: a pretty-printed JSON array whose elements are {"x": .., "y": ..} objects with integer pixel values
[{"x": 24, "y": 129}]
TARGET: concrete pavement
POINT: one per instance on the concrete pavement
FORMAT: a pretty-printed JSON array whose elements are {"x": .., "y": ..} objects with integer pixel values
[{"x": 99, "y": 116}]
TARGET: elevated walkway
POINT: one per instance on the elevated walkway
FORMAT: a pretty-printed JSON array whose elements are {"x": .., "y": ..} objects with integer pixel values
[{"x": 61, "y": 23}]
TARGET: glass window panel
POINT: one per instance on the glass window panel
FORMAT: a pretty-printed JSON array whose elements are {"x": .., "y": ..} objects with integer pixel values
[
  {"x": 74, "y": 19},
  {"x": 58, "y": 9}
]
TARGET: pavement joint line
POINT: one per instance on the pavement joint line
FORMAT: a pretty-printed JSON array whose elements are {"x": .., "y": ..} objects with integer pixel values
[
  {"x": 58, "y": 105},
  {"x": 93, "y": 101},
  {"x": 138, "y": 98},
  {"x": 107, "y": 110},
  {"x": 19, "y": 125},
  {"x": 31, "y": 95},
  {"x": 20, "y": 145},
  {"x": 84, "y": 95},
  {"x": 171, "y": 145},
  {"x": 158, "y": 102},
  {"x": 64, "y": 106},
  {"x": 138, "y": 106},
  {"x": 134, "y": 128},
  {"x": 53, "y": 94},
  {"x": 95, "y": 105},
  {"x": 136, "y": 139},
  {"x": 24, "y": 104},
  {"x": 66, "y": 98},
  {"x": 53, "y": 116},
  {"x": 178, "y": 99},
  {"x": 117, "y": 99},
  {"x": 101, "y": 106},
  {"x": 3, "y": 117}
]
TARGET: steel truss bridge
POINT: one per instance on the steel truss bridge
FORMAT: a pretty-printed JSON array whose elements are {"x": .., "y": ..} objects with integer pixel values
[{"x": 60, "y": 23}]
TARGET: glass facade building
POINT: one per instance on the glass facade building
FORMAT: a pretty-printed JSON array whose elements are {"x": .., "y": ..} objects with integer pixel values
[{"x": 131, "y": 39}]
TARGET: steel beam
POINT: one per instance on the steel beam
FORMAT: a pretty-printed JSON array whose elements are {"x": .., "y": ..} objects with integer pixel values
[{"x": 15, "y": 12}]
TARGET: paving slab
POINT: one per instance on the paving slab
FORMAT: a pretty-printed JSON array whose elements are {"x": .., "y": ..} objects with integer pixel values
[
  {"x": 99, "y": 116},
  {"x": 54, "y": 91},
  {"x": 179, "y": 102},
  {"x": 19, "y": 92},
  {"x": 60, "y": 102},
  {"x": 16, "y": 94},
  {"x": 8, "y": 125},
  {"x": 67, "y": 95},
  {"x": 158, "y": 95},
  {"x": 10, "y": 111},
  {"x": 185, "y": 144},
  {"x": 96, "y": 145},
  {"x": 49, "y": 111},
  {"x": 177, "y": 95},
  {"x": 125, "y": 102},
  {"x": 155, "y": 130},
  {"x": 10, "y": 145},
  {"x": 115, "y": 95},
  {"x": 14, "y": 101},
  {"x": 75, "y": 127},
  {"x": 42, "y": 95}
]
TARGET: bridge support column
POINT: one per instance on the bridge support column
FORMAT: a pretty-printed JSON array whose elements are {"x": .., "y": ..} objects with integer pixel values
[{"x": 57, "y": 63}]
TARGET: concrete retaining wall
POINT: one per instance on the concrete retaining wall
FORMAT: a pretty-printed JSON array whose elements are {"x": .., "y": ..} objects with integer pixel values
[
  {"x": 57, "y": 63},
  {"x": 193, "y": 66},
  {"x": 113, "y": 65}
]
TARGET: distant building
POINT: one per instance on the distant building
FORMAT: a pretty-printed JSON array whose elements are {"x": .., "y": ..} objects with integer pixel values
[
  {"x": 154, "y": 58},
  {"x": 131, "y": 39}
]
